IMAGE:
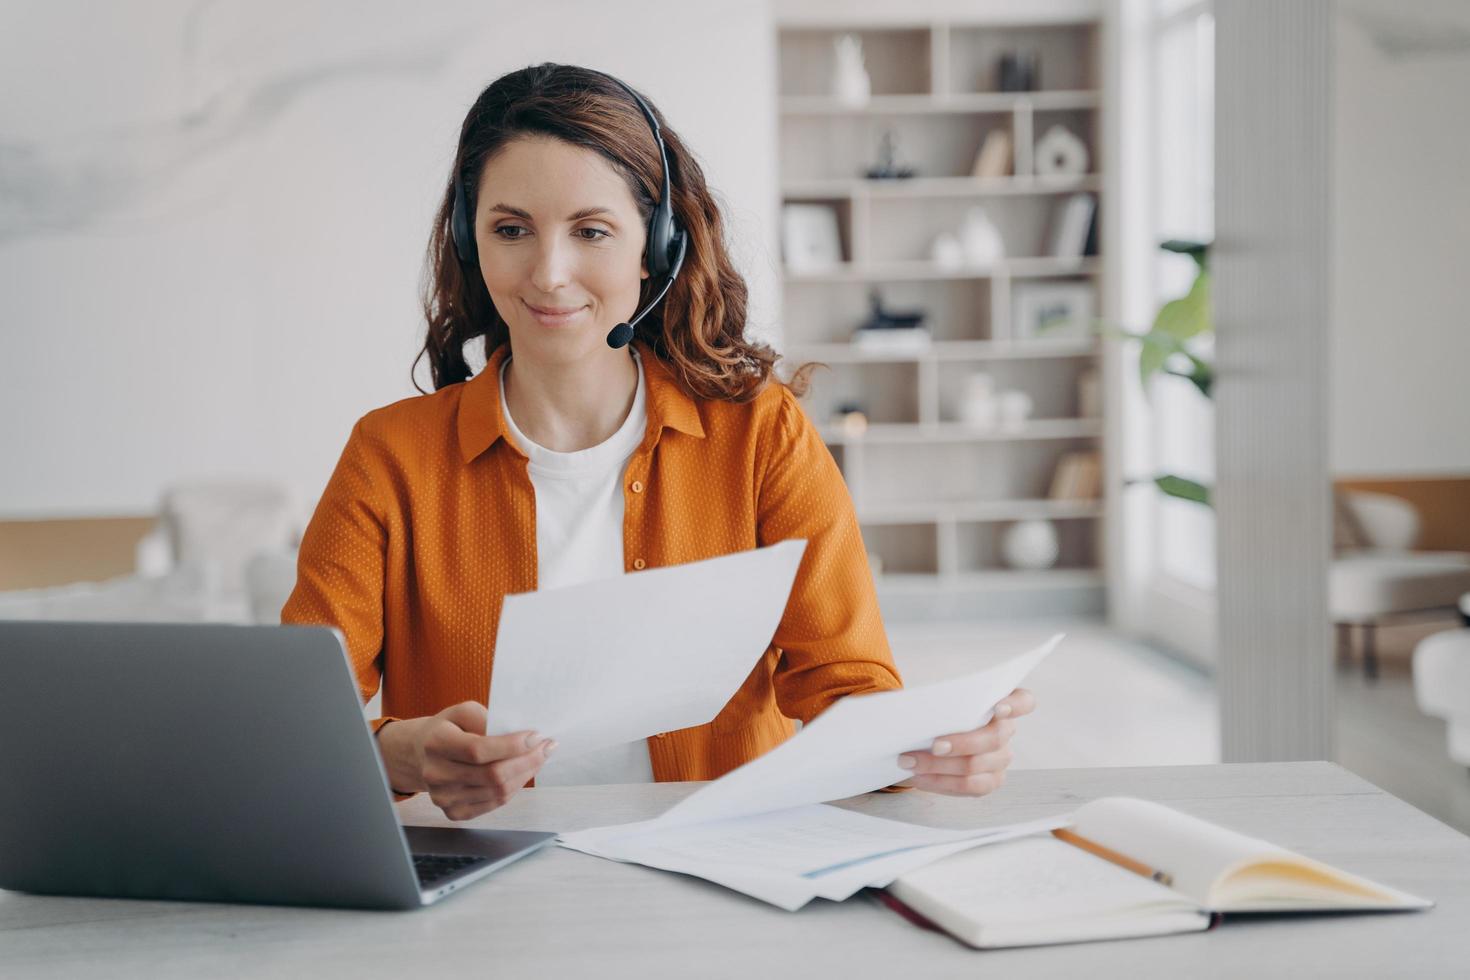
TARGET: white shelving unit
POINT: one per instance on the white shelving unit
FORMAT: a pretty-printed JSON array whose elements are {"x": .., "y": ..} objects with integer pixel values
[{"x": 933, "y": 494}]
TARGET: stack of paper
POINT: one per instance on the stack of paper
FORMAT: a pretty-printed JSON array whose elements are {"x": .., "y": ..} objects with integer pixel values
[
  {"x": 788, "y": 857},
  {"x": 756, "y": 829}
]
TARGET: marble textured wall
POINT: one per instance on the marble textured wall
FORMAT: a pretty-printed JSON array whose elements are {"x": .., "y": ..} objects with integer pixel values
[{"x": 213, "y": 214}]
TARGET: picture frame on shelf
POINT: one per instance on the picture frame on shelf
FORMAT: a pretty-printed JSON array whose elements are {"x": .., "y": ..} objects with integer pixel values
[
  {"x": 811, "y": 237},
  {"x": 1052, "y": 311}
]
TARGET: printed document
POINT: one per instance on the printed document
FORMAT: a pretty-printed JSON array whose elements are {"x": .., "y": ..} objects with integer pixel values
[{"x": 615, "y": 660}]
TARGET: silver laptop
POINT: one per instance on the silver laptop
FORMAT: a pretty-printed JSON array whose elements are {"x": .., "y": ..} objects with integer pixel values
[{"x": 208, "y": 763}]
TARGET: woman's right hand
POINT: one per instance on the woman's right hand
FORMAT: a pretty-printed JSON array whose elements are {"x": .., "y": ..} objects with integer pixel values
[{"x": 449, "y": 756}]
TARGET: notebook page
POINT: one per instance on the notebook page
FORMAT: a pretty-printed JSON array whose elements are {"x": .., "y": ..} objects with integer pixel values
[
  {"x": 1040, "y": 887},
  {"x": 1227, "y": 871},
  {"x": 1194, "y": 852}
]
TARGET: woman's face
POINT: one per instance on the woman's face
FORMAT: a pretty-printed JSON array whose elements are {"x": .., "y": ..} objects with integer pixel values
[{"x": 561, "y": 247}]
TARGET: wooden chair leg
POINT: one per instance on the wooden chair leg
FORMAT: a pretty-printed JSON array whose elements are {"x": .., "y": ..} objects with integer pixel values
[
  {"x": 1344, "y": 643},
  {"x": 1370, "y": 653}
]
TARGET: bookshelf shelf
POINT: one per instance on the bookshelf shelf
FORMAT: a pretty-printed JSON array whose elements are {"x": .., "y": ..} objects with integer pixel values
[
  {"x": 950, "y": 351},
  {"x": 993, "y": 580},
  {"x": 978, "y": 511},
  {"x": 1037, "y": 267},
  {"x": 945, "y": 187},
  {"x": 929, "y": 104},
  {"x": 939, "y": 432}
]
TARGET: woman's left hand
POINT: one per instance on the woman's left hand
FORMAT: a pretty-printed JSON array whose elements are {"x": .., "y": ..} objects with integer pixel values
[{"x": 970, "y": 763}]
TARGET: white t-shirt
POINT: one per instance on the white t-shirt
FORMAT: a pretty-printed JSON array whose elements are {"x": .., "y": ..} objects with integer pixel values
[{"x": 579, "y": 538}]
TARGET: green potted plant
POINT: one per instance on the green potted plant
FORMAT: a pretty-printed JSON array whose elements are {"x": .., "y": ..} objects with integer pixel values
[{"x": 1165, "y": 347}]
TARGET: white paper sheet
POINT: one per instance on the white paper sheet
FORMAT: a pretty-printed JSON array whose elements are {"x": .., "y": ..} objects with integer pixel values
[
  {"x": 789, "y": 857},
  {"x": 620, "y": 659},
  {"x": 853, "y": 746}
]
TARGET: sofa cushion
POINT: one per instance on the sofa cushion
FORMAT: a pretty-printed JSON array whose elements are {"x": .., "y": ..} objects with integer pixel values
[
  {"x": 219, "y": 526},
  {"x": 1366, "y": 584}
]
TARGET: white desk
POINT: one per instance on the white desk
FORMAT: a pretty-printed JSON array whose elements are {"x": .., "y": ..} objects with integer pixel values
[{"x": 563, "y": 914}]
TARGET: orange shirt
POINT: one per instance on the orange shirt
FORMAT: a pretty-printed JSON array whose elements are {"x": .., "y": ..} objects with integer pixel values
[{"x": 429, "y": 520}]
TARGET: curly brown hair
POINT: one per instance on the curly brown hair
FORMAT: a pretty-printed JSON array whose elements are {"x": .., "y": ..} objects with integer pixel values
[{"x": 699, "y": 326}]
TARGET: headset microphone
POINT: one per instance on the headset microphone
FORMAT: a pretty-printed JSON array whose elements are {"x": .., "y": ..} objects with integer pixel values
[{"x": 622, "y": 334}]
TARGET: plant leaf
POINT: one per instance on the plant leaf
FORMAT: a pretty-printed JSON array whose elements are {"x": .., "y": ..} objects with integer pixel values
[
  {"x": 1184, "y": 489},
  {"x": 1203, "y": 375},
  {"x": 1199, "y": 251},
  {"x": 1188, "y": 316},
  {"x": 1155, "y": 351}
]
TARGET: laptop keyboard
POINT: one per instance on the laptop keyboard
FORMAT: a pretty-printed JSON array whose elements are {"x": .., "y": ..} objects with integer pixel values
[{"x": 434, "y": 868}]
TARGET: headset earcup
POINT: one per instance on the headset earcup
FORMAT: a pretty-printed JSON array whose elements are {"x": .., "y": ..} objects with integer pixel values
[
  {"x": 660, "y": 234},
  {"x": 460, "y": 228}
]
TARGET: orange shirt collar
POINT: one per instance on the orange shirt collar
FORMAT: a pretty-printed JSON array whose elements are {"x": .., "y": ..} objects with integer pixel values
[{"x": 481, "y": 421}]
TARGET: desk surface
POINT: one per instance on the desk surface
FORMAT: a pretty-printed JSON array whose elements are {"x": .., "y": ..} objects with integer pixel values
[{"x": 561, "y": 913}]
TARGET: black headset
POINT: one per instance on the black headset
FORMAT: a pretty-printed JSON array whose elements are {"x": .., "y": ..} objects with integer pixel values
[{"x": 663, "y": 254}]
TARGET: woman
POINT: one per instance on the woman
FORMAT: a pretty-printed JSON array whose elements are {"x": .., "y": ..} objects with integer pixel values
[{"x": 573, "y": 456}]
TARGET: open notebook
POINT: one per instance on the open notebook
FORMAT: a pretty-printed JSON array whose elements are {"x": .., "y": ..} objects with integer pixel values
[{"x": 1124, "y": 868}]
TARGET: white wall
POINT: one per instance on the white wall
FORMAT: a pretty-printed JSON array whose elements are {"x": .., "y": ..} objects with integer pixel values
[
  {"x": 1401, "y": 341},
  {"x": 213, "y": 215}
]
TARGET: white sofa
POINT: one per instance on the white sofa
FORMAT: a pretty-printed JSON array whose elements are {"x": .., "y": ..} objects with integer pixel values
[
  {"x": 220, "y": 552},
  {"x": 1377, "y": 576}
]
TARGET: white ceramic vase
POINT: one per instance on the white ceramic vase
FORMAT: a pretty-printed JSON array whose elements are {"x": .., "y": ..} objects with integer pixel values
[
  {"x": 1015, "y": 409},
  {"x": 947, "y": 252},
  {"x": 980, "y": 239},
  {"x": 850, "y": 83},
  {"x": 978, "y": 406},
  {"x": 1031, "y": 545},
  {"x": 1060, "y": 153}
]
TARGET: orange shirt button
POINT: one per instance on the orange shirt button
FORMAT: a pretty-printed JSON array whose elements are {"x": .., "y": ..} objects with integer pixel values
[
  {"x": 637, "y": 487},
  {"x": 639, "y": 563},
  {"x": 662, "y": 735}
]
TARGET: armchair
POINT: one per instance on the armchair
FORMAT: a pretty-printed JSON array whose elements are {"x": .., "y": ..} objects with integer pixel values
[{"x": 1376, "y": 576}]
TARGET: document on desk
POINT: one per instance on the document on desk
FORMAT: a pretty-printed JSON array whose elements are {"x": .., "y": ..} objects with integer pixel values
[
  {"x": 757, "y": 829},
  {"x": 577, "y": 663},
  {"x": 789, "y": 857}
]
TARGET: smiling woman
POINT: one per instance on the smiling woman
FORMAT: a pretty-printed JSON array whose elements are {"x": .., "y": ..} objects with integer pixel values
[
  {"x": 574, "y": 457},
  {"x": 553, "y": 143}
]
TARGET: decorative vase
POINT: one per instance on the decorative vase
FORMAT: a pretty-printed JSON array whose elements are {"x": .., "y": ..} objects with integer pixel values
[
  {"x": 980, "y": 239},
  {"x": 850, "y": 83},
  {"x": 947, "y": 252},
  {"x": 1015, "y": 409},
  {"x": 1018, "y": 71},
  {"x": 1031, "y": 545},
  {"x": 1060, "y": 153},
  {"x": 978, "y": 407}
]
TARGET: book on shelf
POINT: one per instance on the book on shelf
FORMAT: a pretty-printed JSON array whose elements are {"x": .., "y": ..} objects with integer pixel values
[
  {"x": 1125, "y": 868},
  {"x": 1071, "y": 225},
  {"x": 1078, "y": 476}
]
